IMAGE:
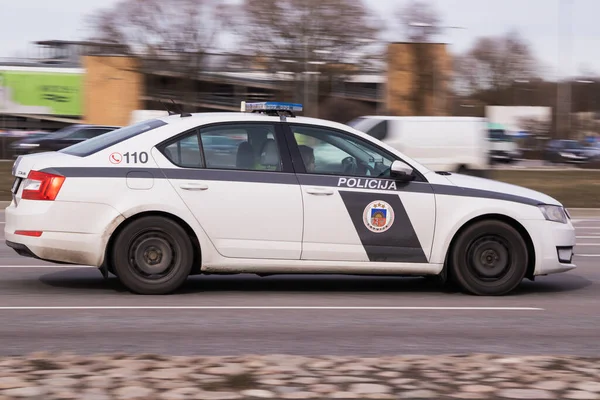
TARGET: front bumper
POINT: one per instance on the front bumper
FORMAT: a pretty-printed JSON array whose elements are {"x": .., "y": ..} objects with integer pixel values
[
  {"x": 499, "y": 155},
  {"x": 554, "y": 245},
  {"x": 573, "y": 158}
]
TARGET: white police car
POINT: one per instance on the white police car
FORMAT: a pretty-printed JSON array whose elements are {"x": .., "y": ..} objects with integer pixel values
[{"x": 158, "y": 201}]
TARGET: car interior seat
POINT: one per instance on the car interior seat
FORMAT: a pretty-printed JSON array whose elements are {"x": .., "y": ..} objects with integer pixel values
[
  {"x": 245, "y": 156},
  {"x": 269, "y": 156}
]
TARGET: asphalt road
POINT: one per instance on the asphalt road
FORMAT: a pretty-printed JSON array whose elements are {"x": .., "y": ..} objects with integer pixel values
[{"x": 47, "y": 307}]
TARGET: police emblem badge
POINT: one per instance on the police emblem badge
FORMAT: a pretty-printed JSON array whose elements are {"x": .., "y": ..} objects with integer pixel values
[{"x": 378, "y": 216}]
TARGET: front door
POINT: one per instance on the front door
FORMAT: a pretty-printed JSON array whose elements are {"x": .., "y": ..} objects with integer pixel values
[
  {"x": 353, "y": 210},
  {"x": 242, "y": 191}
]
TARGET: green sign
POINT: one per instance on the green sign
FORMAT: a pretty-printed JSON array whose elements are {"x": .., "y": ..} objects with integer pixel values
[{"x": 39, "y": 92}]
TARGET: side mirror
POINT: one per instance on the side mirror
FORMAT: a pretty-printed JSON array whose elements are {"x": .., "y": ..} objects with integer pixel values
[{"x": 401, "y": 171}]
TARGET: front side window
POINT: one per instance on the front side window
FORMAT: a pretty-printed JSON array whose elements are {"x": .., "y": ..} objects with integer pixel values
[
  {"x": 241, "y": 146},
  {"x": 330, "y": 152}
]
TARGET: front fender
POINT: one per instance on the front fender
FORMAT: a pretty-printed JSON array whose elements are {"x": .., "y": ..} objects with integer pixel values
[{"x": 453, "y": 214}]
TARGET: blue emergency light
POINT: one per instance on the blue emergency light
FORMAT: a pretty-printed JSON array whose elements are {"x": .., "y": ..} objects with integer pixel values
[{"x": 271, "y": 106}]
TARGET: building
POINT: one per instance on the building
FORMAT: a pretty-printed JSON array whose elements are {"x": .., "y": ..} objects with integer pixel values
[
  {"x": 418, "y": 76},
  {"x": 70, "y": 82}
]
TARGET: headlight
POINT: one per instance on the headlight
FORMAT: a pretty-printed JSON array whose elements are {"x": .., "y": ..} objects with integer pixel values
[
  {"x": 29, "y": 145},
  {"x": 554, "y": 213}
]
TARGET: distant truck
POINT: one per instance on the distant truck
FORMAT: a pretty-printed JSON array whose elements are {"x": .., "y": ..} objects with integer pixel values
[
  {"x": 503, "y": 148},
  {"x": 452, "y": 144}
]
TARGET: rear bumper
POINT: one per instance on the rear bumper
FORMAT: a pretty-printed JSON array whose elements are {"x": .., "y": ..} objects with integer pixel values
[
  {"x": 60, "y": 247},
  {"x": 73, "y": 233}
]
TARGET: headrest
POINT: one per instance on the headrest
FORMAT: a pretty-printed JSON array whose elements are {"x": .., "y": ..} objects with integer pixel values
[{"x": 270, "y": 154}]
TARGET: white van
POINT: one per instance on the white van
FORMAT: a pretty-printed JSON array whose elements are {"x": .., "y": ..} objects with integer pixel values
[
  {"x": 453, "y": 144},
  {"x": 143, "y": 115}
]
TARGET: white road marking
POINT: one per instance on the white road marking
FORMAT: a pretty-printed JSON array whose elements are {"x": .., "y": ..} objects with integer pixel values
[
  {"x": 588, "y": 237},
  {"x": 587, "y": 244},
  {"x": 47, "y": 266},
  {"x": 576, "y": 221},
  {"x": 17, "y": 308},
  {"x": 587, "y": 255}
]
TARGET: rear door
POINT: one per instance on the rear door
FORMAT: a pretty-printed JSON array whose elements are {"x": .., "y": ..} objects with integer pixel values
[
  {"x": 245, "y": 195},
  {"x": 353, "y": 210}
]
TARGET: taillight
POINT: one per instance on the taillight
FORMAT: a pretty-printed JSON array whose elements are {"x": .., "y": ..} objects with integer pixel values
[
  {"x": 42, "y": 186},
  {"x": 29, "y": 233}
]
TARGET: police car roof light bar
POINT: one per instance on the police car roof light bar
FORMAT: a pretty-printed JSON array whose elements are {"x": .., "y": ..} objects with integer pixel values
[{"x": 273, "y": 108}]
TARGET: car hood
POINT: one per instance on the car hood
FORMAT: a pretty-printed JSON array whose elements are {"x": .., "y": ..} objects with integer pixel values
[{"x": 500, "y": 188}]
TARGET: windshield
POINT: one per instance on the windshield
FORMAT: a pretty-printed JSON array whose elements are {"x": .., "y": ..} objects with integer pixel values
[
  {"x": 499, "y": 135},
  {"x": 63, "y": 132},
  {"x": 108, "y": 139},
  {"x": 572, "y": 144}
]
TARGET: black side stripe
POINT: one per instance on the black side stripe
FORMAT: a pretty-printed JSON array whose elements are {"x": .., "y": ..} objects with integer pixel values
[
  {"x": 287, "y": 178},
  {"x": 399, "y": 243},
  {"x": 179, "y": 173},
  {"x": 483, "y": 194}
]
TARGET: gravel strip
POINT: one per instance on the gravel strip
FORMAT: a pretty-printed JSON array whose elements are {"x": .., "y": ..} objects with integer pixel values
[{"x": 477, "y": 376}]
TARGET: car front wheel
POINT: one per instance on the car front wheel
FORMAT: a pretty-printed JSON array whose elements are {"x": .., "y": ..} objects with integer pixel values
[
  {"x": 153, "y": 255},
  {"x": 489, "y": 258}
]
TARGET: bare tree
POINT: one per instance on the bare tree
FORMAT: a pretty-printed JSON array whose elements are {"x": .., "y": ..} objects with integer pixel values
[
  {"x": 330, "y": 38},
  {"x": 420, "y": 21},
  {"x": 174, "y": 35},
  {"x": 495, "y": 63},
  {"x": 176, "y": 29},
  {"x": 311, "y": 30}
]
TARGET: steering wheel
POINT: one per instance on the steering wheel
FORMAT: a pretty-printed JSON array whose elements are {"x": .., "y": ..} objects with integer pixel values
[{"x": 349, "y": 165}]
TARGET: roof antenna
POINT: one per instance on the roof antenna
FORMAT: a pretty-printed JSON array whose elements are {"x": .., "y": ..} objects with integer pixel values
[
  {"x": 167, "y": 108},
  {"x": 180, "y": 110}
]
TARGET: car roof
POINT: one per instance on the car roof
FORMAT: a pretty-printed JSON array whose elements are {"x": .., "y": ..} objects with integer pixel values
[{"x": 217, "y": 117}]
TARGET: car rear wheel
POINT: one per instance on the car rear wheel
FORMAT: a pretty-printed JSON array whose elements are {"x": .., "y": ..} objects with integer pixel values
[
  {"x": 489, "y": 258},
  {"x": 153, "y": 255}
]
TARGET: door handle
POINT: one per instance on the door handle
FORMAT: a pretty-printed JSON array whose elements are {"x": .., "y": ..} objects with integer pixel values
[
  {"x": 319, "y": 191},
  {"x": 193, "y": 186}
]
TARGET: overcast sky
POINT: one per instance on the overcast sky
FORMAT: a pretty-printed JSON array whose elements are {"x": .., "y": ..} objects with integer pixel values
[{"x": 24, "y": 21}]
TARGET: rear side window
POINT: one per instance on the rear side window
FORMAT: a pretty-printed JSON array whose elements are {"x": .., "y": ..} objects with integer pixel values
[
  {"x": 185, "y": 152},
  {"x": 108, "y": 139}
]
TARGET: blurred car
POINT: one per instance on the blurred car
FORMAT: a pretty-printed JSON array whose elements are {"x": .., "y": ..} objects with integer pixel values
[
  {"x": 593, "y": 151},
  {"x": 566, "y": 151},
  {"x": 59, "y": 139},
  {"x": 147, "y": 204}
]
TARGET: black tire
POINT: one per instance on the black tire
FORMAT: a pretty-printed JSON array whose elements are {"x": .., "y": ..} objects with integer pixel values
[
  {"x": 153, "y": 255},
  {"x": 489, "y": 259}
]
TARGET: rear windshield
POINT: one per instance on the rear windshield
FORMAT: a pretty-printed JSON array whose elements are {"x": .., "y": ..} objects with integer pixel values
[{"x": 108, "y": 139}]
